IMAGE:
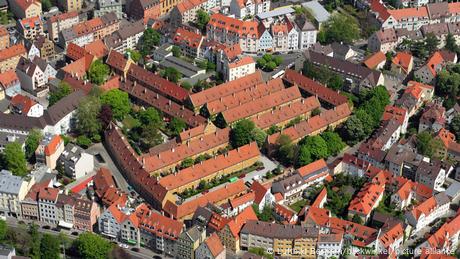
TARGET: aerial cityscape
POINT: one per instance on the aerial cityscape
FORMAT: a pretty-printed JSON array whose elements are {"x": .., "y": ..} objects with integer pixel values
[{"x": 213, "y": 129}]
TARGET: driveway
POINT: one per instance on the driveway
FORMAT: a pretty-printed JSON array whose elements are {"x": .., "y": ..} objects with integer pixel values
[
  {"x": 108, "y": 162},
  {"x": 269, "y": 166}
]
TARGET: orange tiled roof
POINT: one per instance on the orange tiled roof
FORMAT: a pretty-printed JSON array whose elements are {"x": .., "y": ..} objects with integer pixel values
[
  {"x": 321, "y": 196},
  {"x": 405, "y": 13},
  {"x": 312, "y": 167},
  {"x": 79, "y": 67},
  {"x": 357, "y": 230},
  {"x": 394, "y": 112},
  {"x": 63, "y": 16},
  {"x": 53, "y": 145},
  {"x": 366, "y": 199},
  {"x": 161, "y": 226},
  {"x": 188, "y": 4},
  {"x": 424, "y": 208},
  {"x": 214, "y": 93},
  {"x": 22, "y": 102},
  {"x": 97, "y": 48},
  {"x": 185, "y": 37},
  {"x": 240, "y": 200},
  {"x": 12, "y": 51},
  {"x": 8, "y": 78},
  {"x": 259, "y": 191},
  {"x": 434, "y": 62},
  {"x": 237, "y": 223},
  {"x": 103, "y": 180},
  {"x": 210, "y": 166},
  {"x": 48, "y": 193},
  {"x": 233, "y": 51},
  {"x": 246, "y": 60},
  {"x": 214, "y": 245},
  {"x": 232, "y": 25},
  {"x": 448, "y": 139},
  {"x": 74, "y": 51},
  {"x": 403, "y": 59},
  {"x": 284, "y": 212},
  {"x": 375, "y": 59},
  {"x": 113, "y": 83},
  {"x": 262, "y": 104},
  {"x": 416, "y": 88},
  {"x": 31, "y": 22},
  {"x": 440, "y": 239},
  {"x": 3, "y": 31},
  {"x": 219, "y": 195},
  {"x": 389, "y": 237}
]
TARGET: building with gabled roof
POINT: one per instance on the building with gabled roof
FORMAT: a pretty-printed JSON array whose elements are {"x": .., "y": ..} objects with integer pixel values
[
  {"x": 21, "y": 104},
  {"x": 450, "y": 148},
  {"x": 445, "y": 238},
  {"x": 402, "y": 63},
  {"x": 245, "y": 8},
  {"x": 126, "y": 38},
  {"x": 211, "y": 248},
  {"x": 376, "y": 60},
  {"x": 9, "y": 57},
  {"x": 433, "y": 118},
  {"x": 145, "y": 9},
  {"x": 59, "y": 22},
  {"x": 383, "y": 40},
  {"x": 415, "y": 95},
  {"x": 189, "y": 241},
  {"x": 426, "y": 212},
  {"x": 230, "y": 234},
  {"x": 438, "y": 60},
  {"x": 366, "y": 201},
  {"x": 186, "y": 11},
  {"x": 103, "y": 180},
  {"x": 25, "y": 8},
  {"x": 49, "y": 149}
]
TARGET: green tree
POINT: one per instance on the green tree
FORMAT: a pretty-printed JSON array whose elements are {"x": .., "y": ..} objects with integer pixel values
[
  {"x": 357, "y": 219},
  {"x": 92, "y": 246},
  {"x": 270, "y": 66},
  {"x": 451, "y": 43},
  {"x": 98, "y": 72},
  {"x": 15, "y": 159},
  {"x": 87, "y": 116},
  {"x": 286, "y": 152},
  {"x": 135, "y": 55},
  {"x": 32, "y": 142},
  {"x": 62, "y": 91},
  {"x": 419, "y": 49},
  {"x": 242, "y": 133},
  {"x": 455, "y": 126},
  {"x": 427, "y": 145},
  {"x": 151, "y": 115},
  {"x": 431, "y": 42},
  {"x": 341, "y": 28},
  {"x": 335, "y": 82},
  {"x": 186, "y": 85},
  {"x": 353, "y": 130},
  {"x": 176, "y": 126},
  {"x": 202, "y": 19},
  {"x": 83, "y": 141},
  {"x": 447, "y": 83},
  {"x": 46, "y": 5},
  {"x": 50, "y": 247},
  {"x": 304, "y": 156},
  {"x": 278, "y": 60},
  {"x": 317, "y": 147},
  {"x": 150, "y": 136},
  {"x": 118, "y": 101},
  {"x": 334, "y": 143},
  {"x": 171, "y": 74},
  {"x": 261, "y": 63},
  {"x": 176, "y": 51},
  {"x": 34, "y": 251},
  {"x": 188, "y": 162},
  {"x": 259, "y": 136},
  {"x": 150, "y": 39}
]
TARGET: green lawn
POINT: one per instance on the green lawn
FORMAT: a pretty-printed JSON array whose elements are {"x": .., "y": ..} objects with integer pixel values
[
  {"x": 130, "y": 122},
  {"x": 297, "y": 206}
]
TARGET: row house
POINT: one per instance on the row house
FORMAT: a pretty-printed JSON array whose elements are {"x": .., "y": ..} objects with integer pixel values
[
  {"x": 438, "y": 60},
  {"x": 145, "y": 9},
  {"x": 26, "y": 8},
  {"x": 127, "y": 38},
  {"x": 41, "y": 47},
  {"x": 34, "y": 74},
  {"x": 390, "y": 239},
  {"x": 9, "y": 57},
  {"x": 248, "y": 8},
  {"x": 450, "y": 148},
  {"x": 70, "y": 5},
  {"x": 211, "y": 248},
  {"x": 86, "y": 32},
  {"x": 230, "y": 233},
  {"x": 108, "y": 6},
  {"x": 13, "y": 189},
  {"x": 112, "y": 218},
  {"x": 49, "y": 149},
  {"x": 30, "y": 28},
  {"x": 189, "y": 241},
  {"x": 405, "y": 191},
  {"x": 403, "y": 161},
  {"x": 433, "y": 174},
  {"x": 329, "y": 245},
  {"x": 283, "y": 240},
  {"x": 386, "y": 40},
  {"x": 433, "y": 118},
  {"x": 186, "y": 11},
  {"x": 428, "y": 211},
  {"x": 189, "y": 42},
  {"x": 356, "y": 77},
  {"x": 60, "y": 22}
]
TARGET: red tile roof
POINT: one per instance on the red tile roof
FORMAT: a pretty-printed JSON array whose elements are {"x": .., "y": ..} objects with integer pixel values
[
  {"x": 313, "y": 167},
  {"x": 314, "y": 88},
  {"x": 243, "y": 199},
  {"x": 375, "y": 59},
  {"x": 79, "y": 67},
  {"x": 214, "y": 245},
  {"x": 285, "y": 213},
  {"x": 232, "y": 25},
  {"x": 63, "y": 16},
  {"x": 97, "y": 48},
  {"x": 48, "y": 193},
  {"x": 8, "y": 78},
  {"x": 25, "y": 4},
  {"x": 12, "y": 51},
  {"x": 403, "y": 60},
  {"x": 226, "y": 89},
  {"x": 367, "y": 198},
  {"x": 394, "y": 112},
  {"x": 188, "y": 38},
  {"x": 161, "y": 226},
  {"x": 23, "y": 103},
  {"x": 52, "y": 146},
  {"x": 103, "y": 180},
  {"x": 259, "y": 191},
  {"x": 74, "y": 51},
  {"x": 31, "y": 22},
  {"x": 389, "y": 237},
  {"x": 113, "y": 83},
  {"x": 211, "y": 166},
  {"x": 440, "y": 239},
  {"x": 237, "y": 222},
  {"x": 320, "y": 198},
  {"x": 246, "y": 60}
]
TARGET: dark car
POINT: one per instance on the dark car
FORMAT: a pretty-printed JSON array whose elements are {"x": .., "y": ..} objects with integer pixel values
[
  {"x": 242, "y": 176},
  {"x": 46, "y": 227},
  {"x": 75, "y": 233},
  {"x": 135, "y": 249}
]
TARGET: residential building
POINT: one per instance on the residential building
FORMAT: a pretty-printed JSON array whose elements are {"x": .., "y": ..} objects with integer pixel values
[
  {"x": 266, "y": 39},
  {"x": 30, "y": 28},
  {"x": 329, "y": 245},
  {"x": 47, "y": 200},
  {"x": 446, "y": 238},
  {"x": 211, "y": 248},
  {"x": 146, "y": 9},
  {"x": 126, "y": 38},
  {"x": 42, "y": 47},
  {"x": 290, "y": 188},
  {"x": 433, "y": 118},
  {"x": 238, "y": 68},
  {"x": 59, "y": 22},
  {"x": 25, "y": 8},
  {"x": 376, "y": 60},
  {"x": 70, "y": 5},
  {"x": 403, "y": 161},
  {"x": 356, "y": 76},
  {"x": 75, "y": 162},
  {"x": 415, "y": 96},
  {"x": 396, "y": 113},
  {"x": 189, "y": 241},
  {"x": 383, "y": 40},
  {"x": 390, "y": 239},
  {"x": 438, "y": 60},
  {"x": 433, "y": 174},
  {"x": 450, "y": 147},
  {"x": 426, "y": 212},
  {"x": 263, "y": 196},
  {"x": 283, "y": 240},
  {"x": 86, "y": 213},
  {"x": 130, "y": 232},
  {"x": 230, "y": 234},
  {"x": 9, "y": 57},
  {"x": 111, "y": 219},
  {"x": 21, "y": 104},
  {"x": 366, "y": 201},
  {"x": 4, "y": 38},
  {"x": 108, "y": 6},
  {"x": 307, "y": 32},
  {"x": 13, "y": 190},
  {"x": 10, "y": 83},
  {"x": 103, "y": 180},
  {"x": 402, "y": 63},
  {"x": 320, "y": 14},
  {"x": 248, "y": 8},
  {"x": 186, "y": 11},
  {"x": 49, "y": 150},
  {"x": 189, "y": 42}
]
